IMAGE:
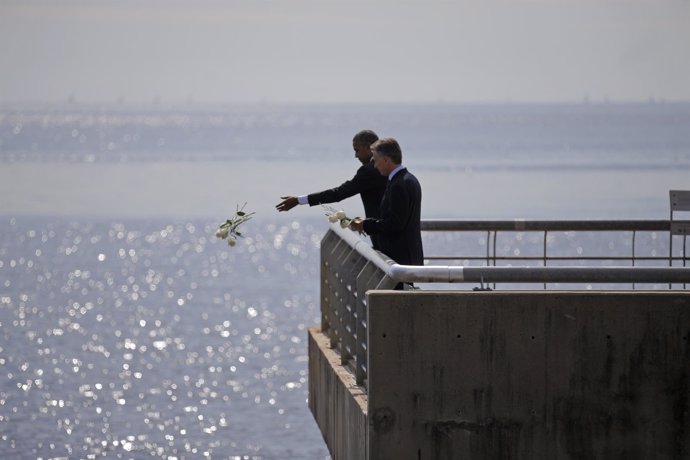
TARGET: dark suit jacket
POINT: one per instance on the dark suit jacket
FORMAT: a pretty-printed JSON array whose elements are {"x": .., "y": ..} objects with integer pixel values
[
  {"x": 368, "y": 183},
  {"x": 398, "y": 227}
]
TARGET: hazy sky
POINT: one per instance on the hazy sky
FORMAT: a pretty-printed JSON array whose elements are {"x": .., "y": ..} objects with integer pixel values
[{"x": 344, "y": 51}]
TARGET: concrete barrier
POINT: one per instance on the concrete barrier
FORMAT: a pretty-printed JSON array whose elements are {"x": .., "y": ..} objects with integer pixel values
[
  {"x": 511, "y": 375},
  {"x": 339, "y": 406},
  {"x": 527, "y": 375}
]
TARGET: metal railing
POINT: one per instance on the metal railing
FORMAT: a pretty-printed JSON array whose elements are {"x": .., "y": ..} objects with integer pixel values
[
  {"x": 492, "y": 228},
  {"x": 350, "y": 268}
]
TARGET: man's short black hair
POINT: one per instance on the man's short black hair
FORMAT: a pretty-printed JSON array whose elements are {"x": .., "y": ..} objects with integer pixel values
[
  {"x": 366, "y": 137},
  {"x": 388, "y": 147}
]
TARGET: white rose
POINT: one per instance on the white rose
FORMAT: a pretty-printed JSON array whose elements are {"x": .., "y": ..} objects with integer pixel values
[
  {"x": 222, "y": 232},
  {"x": 232, "y": 241},
  {"x": 340, "y": 215},
  {"x": 332, "y": 219},
  {"x": 344, "y": 223}
]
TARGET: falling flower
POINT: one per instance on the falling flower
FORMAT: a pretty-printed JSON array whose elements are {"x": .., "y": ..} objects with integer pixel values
[
  {"x": 222, "y": 233},
  {"x": 228, "y": 229}
]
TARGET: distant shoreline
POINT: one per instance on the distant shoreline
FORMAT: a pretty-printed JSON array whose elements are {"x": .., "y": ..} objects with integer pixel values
[{"x": 116, "y": 106}]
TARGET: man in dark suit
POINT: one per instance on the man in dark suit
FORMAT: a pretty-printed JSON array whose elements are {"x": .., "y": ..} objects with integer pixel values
[
  {"x": 398, "y": 226},
  {"x": 367, "y": 182}
]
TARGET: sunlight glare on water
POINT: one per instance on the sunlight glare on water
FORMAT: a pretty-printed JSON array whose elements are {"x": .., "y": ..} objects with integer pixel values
[{"x": 156, "y": 338}]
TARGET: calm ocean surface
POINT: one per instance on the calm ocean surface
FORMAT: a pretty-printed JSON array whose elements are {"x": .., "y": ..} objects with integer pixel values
[{"x": 127, "y": 330}]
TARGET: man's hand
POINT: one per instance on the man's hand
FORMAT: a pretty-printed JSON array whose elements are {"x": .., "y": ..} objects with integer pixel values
[
  {"x": 288, "y": 203},
  {"x": 357, "y": 224}
]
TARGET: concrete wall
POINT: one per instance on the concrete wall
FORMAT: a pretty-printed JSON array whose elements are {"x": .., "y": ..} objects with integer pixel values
[
  {"x": 338, "y": 405},
  {"x": 526, "y": 375}
]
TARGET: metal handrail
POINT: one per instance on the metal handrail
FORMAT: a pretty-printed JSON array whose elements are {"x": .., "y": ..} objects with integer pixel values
[
  {"x": 494, "y": 274},
  {"x": 351, "y": 267},
  {"x": 541, "y": 258},
  {"x": 522, "y": 225},
  {"x": 493, "y": 227}
]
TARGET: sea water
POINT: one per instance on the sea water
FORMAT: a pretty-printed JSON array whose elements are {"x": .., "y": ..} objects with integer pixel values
[
  {"x": 127, "y": 330},
  {"x": 142, "y": 338}
]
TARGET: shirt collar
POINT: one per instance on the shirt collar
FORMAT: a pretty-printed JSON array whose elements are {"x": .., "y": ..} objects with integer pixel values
[{"x": 394, "y": 172}]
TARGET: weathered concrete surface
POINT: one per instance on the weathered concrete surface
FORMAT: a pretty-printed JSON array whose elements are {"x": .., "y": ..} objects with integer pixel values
[
  {"x": 529, "y": 375},
  {"x": 337, "y": 403}
]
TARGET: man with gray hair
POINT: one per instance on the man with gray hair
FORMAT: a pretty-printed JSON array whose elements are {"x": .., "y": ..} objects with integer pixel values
[{"x": 398, "y": 228}]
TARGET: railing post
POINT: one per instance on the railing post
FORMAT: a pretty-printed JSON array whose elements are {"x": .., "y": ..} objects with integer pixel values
[
  {"x": 341, "y": 253},
  {"x": 546, "y": 233},
  {"x": 347, "y": 288},
  {"x": 327, "y": 245},
  {"x": 364, "y": 283}
]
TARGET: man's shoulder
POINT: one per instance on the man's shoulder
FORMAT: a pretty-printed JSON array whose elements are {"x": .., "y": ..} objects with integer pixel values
[
  {"x": 405, "y": 179},
  {"x": 370, "y": 174},
  {"x": 368, "y": 168},
  {"x": 409, "y": 176},
  {"x": 403, "y": 175}
]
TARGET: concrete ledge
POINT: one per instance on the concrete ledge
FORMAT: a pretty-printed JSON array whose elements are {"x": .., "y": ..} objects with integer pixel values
[
  {"x": 529, "y": 375},
  {"x": 338, "y": 404}
]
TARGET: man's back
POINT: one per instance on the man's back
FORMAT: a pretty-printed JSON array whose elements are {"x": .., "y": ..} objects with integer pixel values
[{"x": 398, "y": 229}]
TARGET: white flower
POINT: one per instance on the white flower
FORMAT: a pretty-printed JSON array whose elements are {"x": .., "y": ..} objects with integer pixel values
[
  {"x": 335, "y": 215},
  {"x": 229, "y": 228}
]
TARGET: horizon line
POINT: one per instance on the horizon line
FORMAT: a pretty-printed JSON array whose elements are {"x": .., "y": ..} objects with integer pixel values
[{"x": 4, "y": 105}]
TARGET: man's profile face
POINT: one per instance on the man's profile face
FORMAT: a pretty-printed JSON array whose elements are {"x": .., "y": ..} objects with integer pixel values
[
  {"x": 381, "y": 163},
  {"x": 362, "y": 152}
]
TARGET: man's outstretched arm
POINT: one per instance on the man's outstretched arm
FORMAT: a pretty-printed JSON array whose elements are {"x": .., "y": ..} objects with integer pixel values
[
  {"x": 288, "y": 203},
  {"x": 360, "y": 182},
  {"x": 363, "y": 180}
]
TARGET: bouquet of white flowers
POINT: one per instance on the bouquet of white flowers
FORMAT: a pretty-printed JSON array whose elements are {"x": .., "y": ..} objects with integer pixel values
[
  {"x": 228, "y": 229},
  {"x": 335, "y": 215}
]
